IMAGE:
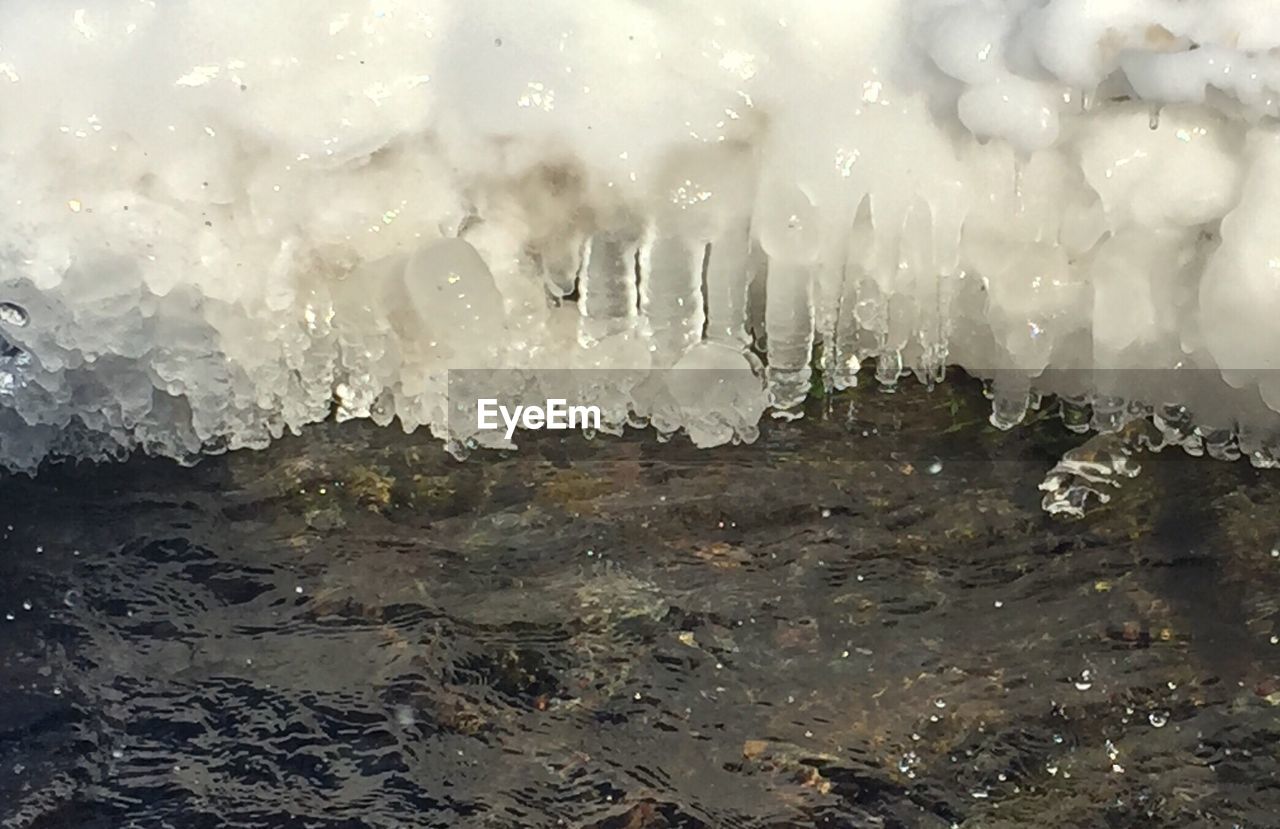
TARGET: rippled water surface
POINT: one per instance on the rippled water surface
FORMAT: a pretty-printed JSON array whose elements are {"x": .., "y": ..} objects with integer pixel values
[{"x": 852, "y": 623}]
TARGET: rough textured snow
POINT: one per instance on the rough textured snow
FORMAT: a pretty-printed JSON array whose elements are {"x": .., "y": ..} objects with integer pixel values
[{"x": 223, "y": 218}]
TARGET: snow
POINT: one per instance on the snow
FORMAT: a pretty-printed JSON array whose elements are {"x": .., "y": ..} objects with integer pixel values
[{"x": 224, "y": 219}]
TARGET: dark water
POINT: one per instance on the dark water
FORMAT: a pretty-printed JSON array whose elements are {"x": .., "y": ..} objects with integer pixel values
[{"x": 845, "y": 625}]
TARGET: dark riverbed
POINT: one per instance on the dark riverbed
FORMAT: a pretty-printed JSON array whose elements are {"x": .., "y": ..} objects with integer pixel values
[{"x": 855, "y": 622}]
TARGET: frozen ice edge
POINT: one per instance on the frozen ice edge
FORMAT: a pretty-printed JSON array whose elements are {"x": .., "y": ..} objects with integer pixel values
[{"x": 229, "y": 220}]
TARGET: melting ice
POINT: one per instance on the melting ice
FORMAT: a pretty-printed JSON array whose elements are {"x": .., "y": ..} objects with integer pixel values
[{"x": 225, "y": 218}]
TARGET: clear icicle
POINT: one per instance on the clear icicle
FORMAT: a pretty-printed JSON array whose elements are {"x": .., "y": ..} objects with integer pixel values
[
  {"x": 728, "y": 273},
  {"x": 845, "y": 340},
  {"x": 789, "y": 324},
  {"x": 671, "y": 294},
  {"x": 1010, "y": 400},
  {"x": 561, "y": 266},
  {"x": 607, "y": 291}
]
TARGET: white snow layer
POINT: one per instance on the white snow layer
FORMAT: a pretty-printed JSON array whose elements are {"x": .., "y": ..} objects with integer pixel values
[{"x": 224, "y": 218}]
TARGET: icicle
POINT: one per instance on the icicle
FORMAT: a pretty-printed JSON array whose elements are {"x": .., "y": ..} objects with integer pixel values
[
  {"x": 1010, "y": 400},
  {"x": 1075, "y": 413},
  {"x": 789, "y": 323},
  {"x": 1109, "y": 413},
  {"x": 671, "y": 294},
  {"x": 947, "y": 222},
  {"x": 846, "y": 357},
  {"x": 872, "y": 314},
  {"x": 918, "y": 275},
  {"x": 827, "y": 290},
  {"x": 607, "y": 292},
  {"x": 889, "y": 367},
  {"x": 728, "y": 272},
  {"x": 452, "y": 293},
  {"x": 757, "y": 298},
  {"x": 1177, "y": 428},
  {"x": 1260, "y": 447},
  {"x": 561, "y": 267},
  {"x": 885, "y": 310},
  {"x": 786, "y": 225},
  {"x": 1220, "y": 444}
]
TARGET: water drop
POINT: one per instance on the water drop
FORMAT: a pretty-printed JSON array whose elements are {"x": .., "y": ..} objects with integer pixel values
[
  {"x": 71, "y": 598},
  {"x": 1158, "y": 719},
  {"x": 934, "y": 467}
]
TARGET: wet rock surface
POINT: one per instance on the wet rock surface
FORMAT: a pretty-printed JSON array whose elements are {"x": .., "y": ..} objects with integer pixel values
[{"x": 863, "y": 620}]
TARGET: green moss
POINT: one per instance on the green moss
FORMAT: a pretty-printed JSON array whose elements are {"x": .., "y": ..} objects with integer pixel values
[
  {"x": 574, "y": 490},
  {"x": 369, "y": 487}
]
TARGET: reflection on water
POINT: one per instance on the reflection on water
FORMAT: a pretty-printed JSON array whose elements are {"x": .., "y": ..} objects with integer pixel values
[{"x": 845, "y": 625}]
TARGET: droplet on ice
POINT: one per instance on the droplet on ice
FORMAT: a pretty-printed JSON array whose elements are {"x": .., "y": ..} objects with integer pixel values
[{"x": 13, "y": 314}]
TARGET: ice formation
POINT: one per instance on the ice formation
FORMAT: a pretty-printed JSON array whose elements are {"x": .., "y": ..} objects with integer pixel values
[{"x": 225, "y": 218}]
